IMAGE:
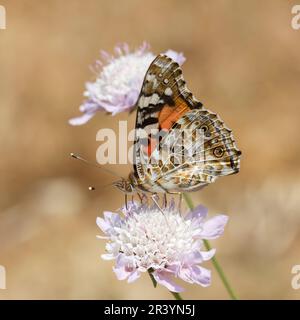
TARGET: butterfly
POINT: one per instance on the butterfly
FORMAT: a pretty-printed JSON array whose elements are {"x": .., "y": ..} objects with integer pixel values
[{"x": 166, "y": 110}]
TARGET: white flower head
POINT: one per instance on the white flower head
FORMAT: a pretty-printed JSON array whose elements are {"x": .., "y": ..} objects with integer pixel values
[
  {"x": 118, "y": 81},
  {"x": 142, "y": 238}
]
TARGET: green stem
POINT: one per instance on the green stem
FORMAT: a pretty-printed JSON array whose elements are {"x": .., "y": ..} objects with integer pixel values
[
  {"x": 152, "y": 278},
  {"x": 176, "y": 295},
  {"x": 214, "y": 260}
]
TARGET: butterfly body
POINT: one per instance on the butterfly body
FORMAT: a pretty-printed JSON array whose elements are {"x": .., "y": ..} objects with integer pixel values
[{"x": 179, "y": 145}]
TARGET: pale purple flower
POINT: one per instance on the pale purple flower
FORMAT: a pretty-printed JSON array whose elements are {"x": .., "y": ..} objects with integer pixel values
[
  {"x": 141, "y": 238},
  {"x": 118, "y": 81}
]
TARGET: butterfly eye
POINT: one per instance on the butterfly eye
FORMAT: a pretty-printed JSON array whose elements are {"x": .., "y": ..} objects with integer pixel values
[{"x": 218, "y": 152}]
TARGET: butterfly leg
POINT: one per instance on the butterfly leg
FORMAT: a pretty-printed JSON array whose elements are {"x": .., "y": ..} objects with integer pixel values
[
  {"x": 154, "y": 199},
  {"x": 141, "y": 198},
  {"x": 126, "y": 204},
  {"x": 165, "y": 203},
  {"x": 180, "y": 203}
]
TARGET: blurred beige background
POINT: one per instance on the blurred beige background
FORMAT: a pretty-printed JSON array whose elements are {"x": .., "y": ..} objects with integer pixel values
[{"x": 243, "y": 61}]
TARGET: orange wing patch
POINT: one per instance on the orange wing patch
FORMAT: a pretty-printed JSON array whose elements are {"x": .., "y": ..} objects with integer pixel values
[
  {"x": 170, "y": 114},
  {"x": 151, "y": 146}
]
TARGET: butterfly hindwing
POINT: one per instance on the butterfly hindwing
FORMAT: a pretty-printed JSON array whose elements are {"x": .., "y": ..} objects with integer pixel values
[{"x": 203, "y": 159}]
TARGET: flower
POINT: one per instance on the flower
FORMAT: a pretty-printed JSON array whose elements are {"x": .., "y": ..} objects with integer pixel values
[
  {"x": 167, "y": 244},
  {"x": 118, "y": 81}
]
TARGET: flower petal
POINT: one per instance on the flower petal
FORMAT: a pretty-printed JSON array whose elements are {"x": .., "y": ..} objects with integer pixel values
[
  {"x": 214, "y": 227},
  {"x": 207, "y": 255},
  {"x": 163, "y": 278},
  {"x": 132, "y": 206},
  {"x": 124, "y": 267},
  {"x": 103, "y": 224},
  {"x": 199, "y": 213},
  {"x": 113, "y": 248},
  {"x": 107, "y": 256},
  {"x": 192, "y": 258},
  {"x": 201, "y": 275},
  {"x": 134, "y": 276},
  {"x": 195, "y": 274},
  {"x": 121, "y": 273},
  {"x": 176, "y": 56},
  {"x": 112, "y": 218},
  {"x": 82, "y": 119},
  {"x": 102, "y": 237}
]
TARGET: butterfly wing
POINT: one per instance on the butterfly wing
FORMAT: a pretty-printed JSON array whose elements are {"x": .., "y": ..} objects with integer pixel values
[
  {"x": 206, "y": 152},
  {"x": 167, "y": 110},
  {"x": 164, "y": 98}
]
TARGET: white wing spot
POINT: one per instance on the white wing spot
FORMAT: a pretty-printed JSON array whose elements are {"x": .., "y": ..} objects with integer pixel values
[
  {"x": 150, "y": 77},
  {"x": 144, "y": 102},
  {"x": 154, "y": 99},
  {"x": 168, "y": 92}
]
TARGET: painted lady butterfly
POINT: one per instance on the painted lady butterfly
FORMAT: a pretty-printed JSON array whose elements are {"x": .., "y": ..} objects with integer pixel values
[{"x": 165, "y": 106}]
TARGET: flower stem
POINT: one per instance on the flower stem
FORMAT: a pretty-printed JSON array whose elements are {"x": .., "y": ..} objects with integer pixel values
[
  {"x": 152, "y": 278},
  {"x": 214, "y": 260},
  {"x": 176, "y": 295}
]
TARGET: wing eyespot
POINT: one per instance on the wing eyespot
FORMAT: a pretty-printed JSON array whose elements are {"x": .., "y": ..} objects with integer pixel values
[
  {"x": 219, "y": 152},
  {"x": 204, "y": 128}
]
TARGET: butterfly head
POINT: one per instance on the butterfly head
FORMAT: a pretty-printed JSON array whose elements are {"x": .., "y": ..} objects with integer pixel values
[{"x": 126, "y": 186}]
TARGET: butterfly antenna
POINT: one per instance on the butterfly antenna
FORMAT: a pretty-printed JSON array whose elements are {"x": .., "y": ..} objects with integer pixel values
[
  {"x": 78, "y": 157},
  {"x": 93, "y": 188}
]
